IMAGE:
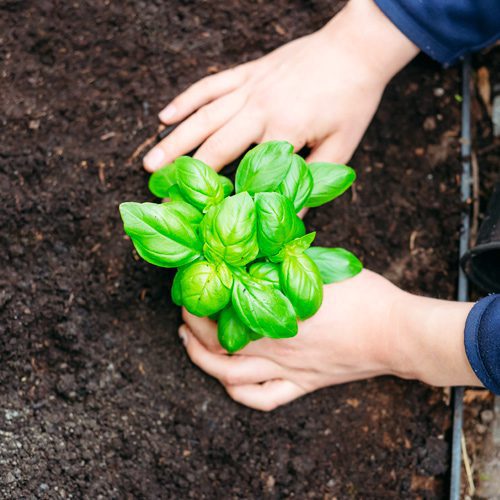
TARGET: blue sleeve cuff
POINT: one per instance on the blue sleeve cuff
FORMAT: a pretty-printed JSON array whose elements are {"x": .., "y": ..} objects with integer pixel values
[
  {"x": 482, "y": 341},
  {"x": 411, "y": 29},
  {"x": 445, "y": 29}
]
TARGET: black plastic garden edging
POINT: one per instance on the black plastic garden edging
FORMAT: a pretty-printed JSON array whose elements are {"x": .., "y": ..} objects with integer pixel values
[
  {"x": 463, "y": 286},
  {"x": 481, "y": 262}
]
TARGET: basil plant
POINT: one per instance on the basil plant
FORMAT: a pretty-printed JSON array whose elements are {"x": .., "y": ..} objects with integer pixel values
[{"x": 243, "y": 259}]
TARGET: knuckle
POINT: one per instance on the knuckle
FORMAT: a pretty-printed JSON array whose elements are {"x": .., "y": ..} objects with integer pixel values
[
  {"x": 204, "y": 115},
  {"x": 230, "y": 378},
  {"x": 258, "y": 100},
  {"x": 213, "y": 146},
  {"x": 255, "y": 109},
  {"x": 235, "y": 374}
]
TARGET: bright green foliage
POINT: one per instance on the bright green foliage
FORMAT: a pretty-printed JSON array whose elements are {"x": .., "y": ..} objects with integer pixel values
[
  {"x": 233, "y": 334},
  {"x": 229, "y": 232},
  {"x": 335, "y": 264},
  {"x": 160, "y": 234},
  {"x": 264, "y": 167},
  {"x": 266, "y": 271},
  {"x": 162, "y": 180},
  {"x": 184, "y": 209},
  {"x": 201, "y": 289},
  {"x": 329, "y": 181},
  {"x": 176, "y": 291},
  {"x": 227, "y": 185},
  {"x": 198, "y": 183},
  {"x": 301, "y": 282},
  {"x": 263, "y": 308},
  {"x": 244, "y": 259},
  {"x": 298, "y": 183},
  {"x": 294, "y": 247},
  {"x": 277, "y": 223},
  {"x": 174, "y": 194}
]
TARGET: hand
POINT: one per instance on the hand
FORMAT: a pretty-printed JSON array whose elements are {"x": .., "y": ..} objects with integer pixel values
[
  {"x": 320, "y": 90},
  {"x": 366, "y": 327}
]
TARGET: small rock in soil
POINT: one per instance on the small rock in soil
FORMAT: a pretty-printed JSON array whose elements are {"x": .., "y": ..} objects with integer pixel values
[
  {"x": 429, "y": 123},
  {"x": 487, "y": 416}
]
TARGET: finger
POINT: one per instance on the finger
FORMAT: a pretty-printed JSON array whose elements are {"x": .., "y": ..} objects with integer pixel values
[
  {"x": 266, "y": 396},
  {"x": 230, "y": 141},
  {"x": 192, "y": 132},
  {"x": 303, "y": 212},
  {"x": 230, "y": 370},
  {"x": 204, "y": 329},
  {"x": 297, "y": 140},
  {"x": 333, "y": 149},
  {"x": 202, "y": 92}
]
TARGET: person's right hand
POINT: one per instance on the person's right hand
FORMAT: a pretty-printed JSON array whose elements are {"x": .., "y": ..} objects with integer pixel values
[
  {"x": 320, "y": 90},
  {"x": 365, "y": 327}
]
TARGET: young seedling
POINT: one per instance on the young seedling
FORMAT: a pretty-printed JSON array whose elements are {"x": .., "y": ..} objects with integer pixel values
[{"x": 243, "y": 259}]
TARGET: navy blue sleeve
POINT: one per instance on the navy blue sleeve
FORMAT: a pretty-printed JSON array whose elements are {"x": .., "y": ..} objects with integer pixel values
[
  {"x": 445, "y": 29},
  {"x": 482, "y": 341}
]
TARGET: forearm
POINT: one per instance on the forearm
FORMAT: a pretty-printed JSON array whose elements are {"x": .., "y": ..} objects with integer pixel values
[
  {"x": 429, "y": 340},
  {"x": 372, "y": 39}
]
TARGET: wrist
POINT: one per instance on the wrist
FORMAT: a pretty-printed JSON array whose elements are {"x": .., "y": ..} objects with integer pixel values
[
  {"x": 377, "y": 45},
  {"x": 428, "y": 339}
]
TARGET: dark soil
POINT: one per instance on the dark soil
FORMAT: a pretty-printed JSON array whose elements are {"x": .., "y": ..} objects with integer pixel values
[{"x": 98, "y": 399}]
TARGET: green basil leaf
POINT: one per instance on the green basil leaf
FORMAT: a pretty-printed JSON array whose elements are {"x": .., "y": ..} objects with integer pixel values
[
  {"x": 301, "y": 282},
  {"x": 229, "y": 232},
  {"x": 176, "y": 290},
  {"x": 206, "y": 223},
  {"x": 263, "y": 308},
  {"x": 299, "y": 229},
  {"x": 277, "y": 222},
  {"x": 174, "y": 194},
  {"x": 329, "y": 181},
  {"x": 203, "y": 292},
  {"x": 184, "y": 209},
  {"x": 198, "y": 183},
  {"x": 335, "y": 264},
  {"x": 160, "y": 235},
  {"x": 266, "y": 271},
  {"x": 294, "y": 247},
  {"x": 300, "y": 245},
  {"x": 227, "y": 185},
  {"x": 254, "y": 335},
  {"x": 264, "y": 167},
  {"x": 233, "y": 334},
  {"x": 298, "y": 183},
  {"x": 162, "y": 180},
  {"x": 225, "y": 274}
]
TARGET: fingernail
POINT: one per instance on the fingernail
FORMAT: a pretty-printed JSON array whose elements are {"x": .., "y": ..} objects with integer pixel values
[
  {"x": 167, "y": 113},
  {"x": 183, "y": 335},
  {"x": 155, "y": 159}
]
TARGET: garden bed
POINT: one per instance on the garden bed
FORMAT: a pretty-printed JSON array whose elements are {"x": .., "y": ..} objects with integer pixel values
[{"x": 97, "y": 394}]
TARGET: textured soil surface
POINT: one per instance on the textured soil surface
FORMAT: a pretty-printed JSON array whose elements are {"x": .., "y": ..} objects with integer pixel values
[{"x": 97, "y": 397}]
